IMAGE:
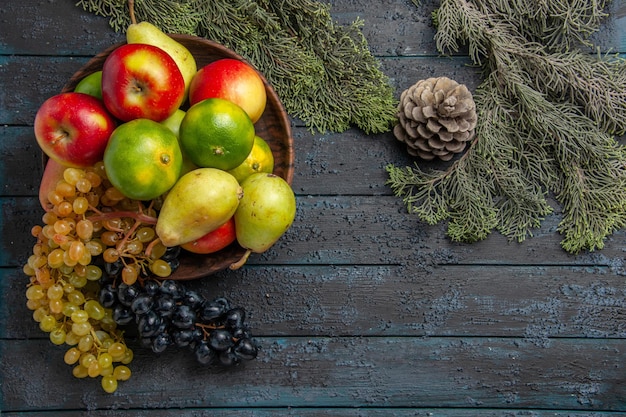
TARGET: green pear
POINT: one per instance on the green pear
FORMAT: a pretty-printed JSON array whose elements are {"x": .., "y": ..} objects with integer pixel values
[
  {"x": 265, "y": 212},
  {"x": 199, "y": 202},
  {"x": 146, "y": 32}
]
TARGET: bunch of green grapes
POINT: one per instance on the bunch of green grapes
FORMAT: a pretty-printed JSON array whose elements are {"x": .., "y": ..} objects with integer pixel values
[{"x": 89, "y": 223}]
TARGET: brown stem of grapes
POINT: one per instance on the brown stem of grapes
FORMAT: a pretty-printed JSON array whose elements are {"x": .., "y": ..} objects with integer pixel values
[
  {"x": 130, "y": 232},
  {"x": 151, "y": 245},
  {"x": 143, "y": 218}
]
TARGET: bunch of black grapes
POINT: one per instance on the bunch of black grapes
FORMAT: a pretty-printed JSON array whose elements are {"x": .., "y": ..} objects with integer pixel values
[{"x": 167, "y": 314}]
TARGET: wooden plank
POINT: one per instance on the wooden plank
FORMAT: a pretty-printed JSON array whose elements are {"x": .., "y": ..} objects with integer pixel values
[
  {"x": 317, "y": 412},
  {"x": 361, "y": 230},
  {"x": 19, "y": 215},
  {"x": 32, "y": 81},
  {"x": 572, "y": 374},
  {"x": 399, "y": 28},
  {"x": 33, "y": 27},
  {"x": 534, "y": 304},
  {"x": 21, "y": 168},
  {"x": 394, "y": 28}
]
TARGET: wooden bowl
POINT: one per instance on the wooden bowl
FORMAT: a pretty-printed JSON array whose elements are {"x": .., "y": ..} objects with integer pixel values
[{"x": 273, "y": 126}]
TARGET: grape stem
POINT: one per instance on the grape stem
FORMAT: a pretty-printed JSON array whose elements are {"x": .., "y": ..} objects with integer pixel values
[
  {"x": 122, "y": 242},
  {"x": 140, "y": 217},
  {"x": 150, "y": 246}
]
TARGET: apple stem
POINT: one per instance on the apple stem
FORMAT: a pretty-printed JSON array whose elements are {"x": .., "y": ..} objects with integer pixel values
[
  {"x": 131, "y": 8},
  {"x": 240, "y": 262}
]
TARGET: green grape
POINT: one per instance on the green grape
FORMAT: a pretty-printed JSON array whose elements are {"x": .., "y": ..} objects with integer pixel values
[
  {"x": 76, "y": 297},
  {"x": 85, "y": 343},
  {"x": 67, "y": 259},
  {"x": 117, "y": 350},
  {"x": 94, "y": 369},
  {"x": 80, "y": 205},
  {"x": 69, "y": 308},
  {"x": 109, "y": 384},
  {"x": 122, "y": 373},
  {"x": 93, "y": 272},
  {"x": 105, "y": 360},
  {"x": 72, "y": 338},
  {"x": 86, "y": 359},
  {"x": 55, "y": 292},
  {"x": 81, "y": 329},
  {"x": 56, "y": 306},
  {"x": 79, "y": 316},
  {"x": 73, "y": 175},
  {"x": 40, "y": 313},
  {"x": 94, "y": 309},
  {"x": 77, "y": 281},
  {"x": 72, "y": 355},
  {"x": 35, "y": 292},
  {"x": 128, "y": 357},
  {"x": 107, "y": 371},
  {"x": 95, "y": 247},
  {"x": 161, "y": 268},
  {"x": 146, "y": 234},
  {"x": 130, "y": 273},
  {"x": 79, "y": 371},
  {"x": 57, "y": 336},
  {"x": 48, "y": 323}
]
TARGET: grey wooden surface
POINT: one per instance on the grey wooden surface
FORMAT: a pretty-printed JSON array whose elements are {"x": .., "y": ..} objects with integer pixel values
[{"x": 361, "y": 309}]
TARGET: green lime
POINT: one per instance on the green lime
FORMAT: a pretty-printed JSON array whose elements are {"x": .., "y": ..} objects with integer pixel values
[
  {"x": 216, "y": 133},
  {"x": 143, "y": 159}
]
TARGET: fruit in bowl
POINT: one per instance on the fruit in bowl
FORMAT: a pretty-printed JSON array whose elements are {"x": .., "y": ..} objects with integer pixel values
[
  {"x": 233, "y": 80},
  {"x": 272, "y": 126},
  {"x": 128, "y": 212},
  {"x": 141, "y": 81},
  {"x": 73, "y": 128}
]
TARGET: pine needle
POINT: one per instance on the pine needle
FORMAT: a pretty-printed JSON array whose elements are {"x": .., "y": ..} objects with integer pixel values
[
  {"x": 547, "y": 113},
  {"x": 323, "y": 72}
]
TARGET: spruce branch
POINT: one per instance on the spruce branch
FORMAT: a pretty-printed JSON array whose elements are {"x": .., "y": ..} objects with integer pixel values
[
  {"x": 323, "y": 72},
  {"x": 547, "y": 113}
]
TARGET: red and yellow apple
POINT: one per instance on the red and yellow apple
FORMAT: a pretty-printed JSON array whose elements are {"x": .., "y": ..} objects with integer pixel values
[
  {"x": 73, "y": 129},
  {"x": 213, "y": 241},
  {"x": 232, "y": 80},
  {"x": 141, "y": 81}
]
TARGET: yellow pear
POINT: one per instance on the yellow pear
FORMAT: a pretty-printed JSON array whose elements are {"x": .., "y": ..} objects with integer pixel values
[
  {"x": 146, "y": 32},
  {"x": 265, "y": 212},
  {"x": 200, "y": 202}
]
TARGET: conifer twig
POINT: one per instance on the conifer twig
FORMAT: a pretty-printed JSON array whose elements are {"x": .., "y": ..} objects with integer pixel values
[{"x": 547, "y": 114}]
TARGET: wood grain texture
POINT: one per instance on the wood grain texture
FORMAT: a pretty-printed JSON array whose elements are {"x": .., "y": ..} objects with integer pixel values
[
  {"x": 487, "y": 372},
  {"x": 401, "y": 301},
  {"x": 361, "y": 309}
]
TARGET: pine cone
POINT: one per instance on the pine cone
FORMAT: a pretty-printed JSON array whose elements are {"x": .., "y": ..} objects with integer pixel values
[{"x": 437, "y": 117}]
